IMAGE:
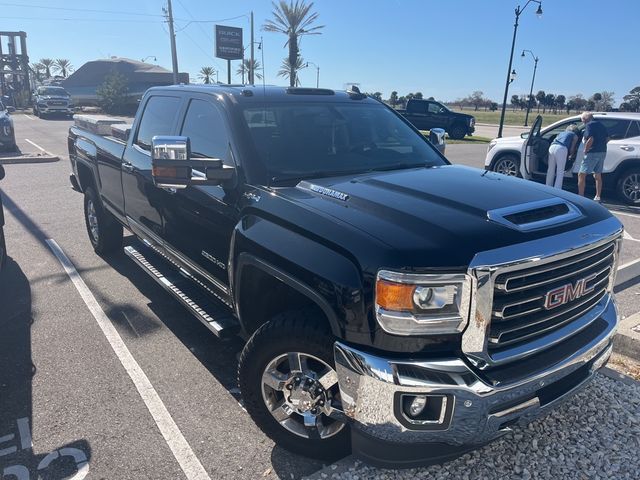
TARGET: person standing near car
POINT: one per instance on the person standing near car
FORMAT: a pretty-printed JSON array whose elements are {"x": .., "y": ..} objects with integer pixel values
[
  {"x": 595, "y": 149},
  {"x": 562, "y": 147}
]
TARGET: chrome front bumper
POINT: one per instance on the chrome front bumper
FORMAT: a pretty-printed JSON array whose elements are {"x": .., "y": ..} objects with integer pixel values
[{"x": 479, "y": 410}]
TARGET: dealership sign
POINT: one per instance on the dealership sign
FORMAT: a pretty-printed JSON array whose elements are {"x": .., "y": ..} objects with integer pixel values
[{"x": 229, "y": 42}]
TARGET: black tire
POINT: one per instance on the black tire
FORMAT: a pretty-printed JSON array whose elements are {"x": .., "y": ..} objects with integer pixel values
[
  {"x": 628, "y": 186},
  {"x": 107, "y": 235},
  {"x": 457, "y": 131},
  {"x": 305, "y": 332},
  {"x": 507, "y": 164}
]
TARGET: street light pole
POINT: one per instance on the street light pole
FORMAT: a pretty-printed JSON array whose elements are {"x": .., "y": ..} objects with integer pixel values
[
  {"x": 513, "y": 44},
  {"x": 317, "y": 73},
  {"x": 535, "y": 66}
]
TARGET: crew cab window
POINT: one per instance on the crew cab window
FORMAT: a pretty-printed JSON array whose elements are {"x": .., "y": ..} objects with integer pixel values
[
  {"x": 206, "y": 128},
  {"x": 157, "y": 119},
  {"x": 434, "y": 107},
  {"x": 299, "y": 140},
  {"x": 417, "y": 107}
]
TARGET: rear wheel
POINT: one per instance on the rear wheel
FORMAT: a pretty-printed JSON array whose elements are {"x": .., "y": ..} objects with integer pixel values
[
  {"x": 290, "y": 387},
  {"x": 628, "y": 186},
  {"x": 457, "y": 132},
  {"x": 105, "y": 233},
  {"x": 507, "y": 165}
]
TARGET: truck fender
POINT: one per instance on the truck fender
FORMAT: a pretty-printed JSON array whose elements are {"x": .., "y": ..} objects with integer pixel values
[
  {"x": 326, "y": 277},
  {"x": 86, "y": 156}
]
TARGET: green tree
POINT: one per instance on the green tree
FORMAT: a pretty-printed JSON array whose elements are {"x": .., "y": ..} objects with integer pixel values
[
  {"x": 633, "y": 99},
  {"x": 596, "y": 98},
  {"x": 477, "y": 99},
  {"x": 62, "y": 66},
  {"x": 47, "y": 63},
  {"x": 393, "y": 98},
  {"x": 289, "y": 71},
  {"x": 515, "y": 102},
  {"x": 560, "y": 101},
  {"x": 540, "y": 96},
  {"x": 549, "y": 101},
  {"x": 247, "y": 66},
  {"x": 113, "y": 93},
  {"x": 293, "y": 19},
  {"x": 38, "y": 71},
  {"x": 418, "y": 95},
  {"x": 206, "y": 74}
]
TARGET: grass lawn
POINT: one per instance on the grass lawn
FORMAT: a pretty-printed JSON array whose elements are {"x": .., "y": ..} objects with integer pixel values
[
  {"x": 466, "y": 140},
  {"x": 513, "y": 118}
]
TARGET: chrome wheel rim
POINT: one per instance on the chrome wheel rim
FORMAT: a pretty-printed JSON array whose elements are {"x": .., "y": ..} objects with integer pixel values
[
  {"x": 631, "y": 187},
  {"x": 299, "y": 390},
  {"x": 507, "y": 166},
  {"x": 92, "y": 218}
]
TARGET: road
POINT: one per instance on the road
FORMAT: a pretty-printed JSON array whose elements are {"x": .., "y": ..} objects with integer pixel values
[{"x": 75, "y": 360}]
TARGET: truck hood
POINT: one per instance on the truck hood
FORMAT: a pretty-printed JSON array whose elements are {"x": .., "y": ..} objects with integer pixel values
[{"x": 433, "y": 216}]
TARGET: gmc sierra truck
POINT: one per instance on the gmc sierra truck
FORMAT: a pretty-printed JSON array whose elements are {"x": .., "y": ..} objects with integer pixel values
[
  {"x": 391, "y": 302},
  {"x": 428, "y": 114}
]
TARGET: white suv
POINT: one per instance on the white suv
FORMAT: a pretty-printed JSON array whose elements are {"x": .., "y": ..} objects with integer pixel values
[{"x": 527, "y": 154}]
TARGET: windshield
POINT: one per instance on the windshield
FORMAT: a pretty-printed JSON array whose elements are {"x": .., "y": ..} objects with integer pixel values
[
  {"x": 58, "y": 91},
  {"x": 301, "y": 140}
]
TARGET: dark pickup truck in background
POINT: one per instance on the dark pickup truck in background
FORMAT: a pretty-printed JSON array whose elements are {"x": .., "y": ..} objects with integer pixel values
[
  {"x": 391, "y": 302},
  {"x": 428, "y": 114}
]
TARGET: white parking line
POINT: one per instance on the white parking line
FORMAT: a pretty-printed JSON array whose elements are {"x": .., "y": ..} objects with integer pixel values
[
  {"x": 181, "y": 450},
  {"x": 29, "y": 117},
  {"x": 625, "y": 214},
  {"x": 35, "y": 145}
]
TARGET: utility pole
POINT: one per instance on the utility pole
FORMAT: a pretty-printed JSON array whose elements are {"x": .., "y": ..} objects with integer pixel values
[
  {"x": 174, "y": 55},
  {"x": 253, "y": 61}
]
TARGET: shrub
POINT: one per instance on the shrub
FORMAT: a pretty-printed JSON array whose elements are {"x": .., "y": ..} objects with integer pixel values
[{"x": 113, "y": 94}]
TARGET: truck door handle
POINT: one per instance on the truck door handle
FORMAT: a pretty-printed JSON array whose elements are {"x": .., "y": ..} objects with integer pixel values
[
  {"x": 127, "y": 167},
  {"x": 627, "y": 148},
  {"x": 170, "y": 190}
]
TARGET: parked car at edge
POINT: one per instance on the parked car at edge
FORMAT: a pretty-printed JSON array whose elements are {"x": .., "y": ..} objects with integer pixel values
[
  {"x": 392, "y": 302},
  {"x": 428, "y": 114},
  {"x": 7, "y": 131},
  {"x": 527, "y": 155},
  {"x": 51, "y": 100}
]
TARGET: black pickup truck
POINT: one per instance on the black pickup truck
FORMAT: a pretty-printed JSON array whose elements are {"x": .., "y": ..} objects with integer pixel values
[
  {"x": 428, "y": 114},
  {"x": 392, "y": 303}
]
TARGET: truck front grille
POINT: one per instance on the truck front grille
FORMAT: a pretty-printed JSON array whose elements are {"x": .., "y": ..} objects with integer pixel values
[{"x": 535, "y": 301}]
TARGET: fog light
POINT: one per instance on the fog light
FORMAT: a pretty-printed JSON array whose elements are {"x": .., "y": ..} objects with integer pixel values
[{"x": 417, "y": 405}]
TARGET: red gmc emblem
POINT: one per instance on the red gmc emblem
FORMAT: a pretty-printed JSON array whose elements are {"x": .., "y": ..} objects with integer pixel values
[{"x": 569, "y": 292}]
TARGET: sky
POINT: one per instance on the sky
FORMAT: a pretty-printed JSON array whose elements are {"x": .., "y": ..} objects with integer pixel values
[{"x": 446, "y": 49}]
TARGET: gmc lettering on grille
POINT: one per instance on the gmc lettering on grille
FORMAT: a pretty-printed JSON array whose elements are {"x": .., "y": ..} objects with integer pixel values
[{"x": 569, "y": 292}]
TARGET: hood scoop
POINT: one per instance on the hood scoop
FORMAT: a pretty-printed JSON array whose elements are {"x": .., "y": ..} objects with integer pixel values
[{"x": 535, "y": 215}]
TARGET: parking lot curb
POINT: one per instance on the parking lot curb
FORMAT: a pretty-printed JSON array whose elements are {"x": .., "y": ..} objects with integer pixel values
[
  {"x": 627, "y": 340},
  {"x": 29, "y": 159}
]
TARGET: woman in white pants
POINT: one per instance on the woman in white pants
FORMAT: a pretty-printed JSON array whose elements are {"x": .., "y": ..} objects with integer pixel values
[{"x": 563, "y": 146}]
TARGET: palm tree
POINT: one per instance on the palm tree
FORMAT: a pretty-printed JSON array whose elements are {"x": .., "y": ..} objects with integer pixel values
[
  {"x": 206, "y": 74},
  {"x": 63, "y": 66},
  {"x": 246, "y": 67},
  {"x": 37, "y": 69},
  {"x": 47, "y": 63},
  {"x": 294, "y": 19},
  {"x": 287, "y": 71}
]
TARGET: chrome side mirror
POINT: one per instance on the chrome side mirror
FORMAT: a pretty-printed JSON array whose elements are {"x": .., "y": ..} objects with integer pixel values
[{"x": 436, "y": 137}]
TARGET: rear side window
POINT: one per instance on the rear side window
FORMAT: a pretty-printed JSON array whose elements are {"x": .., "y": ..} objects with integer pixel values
[
  {"x": 206, "y": 129},
  {"x": 157, "y": 119},
  {"x": 634, "y": 130},
  {"x": 417, "y": 107},
  {"x": 616, "y": 129}
]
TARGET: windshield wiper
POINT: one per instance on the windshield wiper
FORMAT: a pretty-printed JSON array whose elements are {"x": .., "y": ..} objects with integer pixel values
[{"x": 397, "y": 166}]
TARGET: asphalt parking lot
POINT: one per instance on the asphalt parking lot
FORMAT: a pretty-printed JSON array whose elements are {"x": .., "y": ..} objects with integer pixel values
[{"x": 67, "y": 402}]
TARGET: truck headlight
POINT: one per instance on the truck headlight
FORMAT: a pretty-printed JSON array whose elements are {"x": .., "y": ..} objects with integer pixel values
[
  {"x": 472, "y": 122},
  {"x": 422, "y": 304}
]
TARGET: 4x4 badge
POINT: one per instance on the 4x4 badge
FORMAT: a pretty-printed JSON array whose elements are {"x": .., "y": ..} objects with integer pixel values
[{"x": 569, "y": 292}]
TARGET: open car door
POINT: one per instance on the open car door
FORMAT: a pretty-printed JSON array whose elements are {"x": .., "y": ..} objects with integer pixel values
[{"x": 528, "y": 154}]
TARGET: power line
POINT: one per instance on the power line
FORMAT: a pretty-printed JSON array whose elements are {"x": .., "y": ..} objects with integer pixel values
[
  {"x": 47, "y": 7},
  {"x": 49, "y": 19}
]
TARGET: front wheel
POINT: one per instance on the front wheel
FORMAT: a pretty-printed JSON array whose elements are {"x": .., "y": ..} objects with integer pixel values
[
  {"x": 629, "y": 186},
  {"x": 457, "y": 132},
  {"x": 290, "y": 387},
  {"x": 507, "y": 165},
  {"x": 105, "y": 233}
]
